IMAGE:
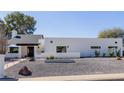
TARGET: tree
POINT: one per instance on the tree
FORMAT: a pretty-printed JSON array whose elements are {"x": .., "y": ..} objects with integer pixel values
[
  {"x": 2, "y": 37},
  {"x": 20, "y": 22},
  {"x": 111, "y": 33}
]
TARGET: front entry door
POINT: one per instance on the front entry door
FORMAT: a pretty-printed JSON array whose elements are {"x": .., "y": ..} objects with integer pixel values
[
  {"x": 123, "y": 53},
  {"x": 30, "y": 51}
]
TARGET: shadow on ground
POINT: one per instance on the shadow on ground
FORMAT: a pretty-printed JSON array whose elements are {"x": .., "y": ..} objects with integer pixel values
[{"x": 8, "y": 79}]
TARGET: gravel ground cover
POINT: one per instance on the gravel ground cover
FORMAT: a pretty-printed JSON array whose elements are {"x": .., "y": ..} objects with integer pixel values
[{"x": 83, "y": 66}]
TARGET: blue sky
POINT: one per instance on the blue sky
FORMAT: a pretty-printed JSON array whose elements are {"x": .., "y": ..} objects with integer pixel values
[{"x": 74, "y": 24}]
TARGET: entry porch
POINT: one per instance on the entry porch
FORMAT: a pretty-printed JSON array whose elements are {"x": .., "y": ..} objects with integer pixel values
[{"x": 21, "y": 50}]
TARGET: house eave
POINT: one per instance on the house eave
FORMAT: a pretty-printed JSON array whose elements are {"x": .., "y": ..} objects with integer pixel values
[{"x": 28, "y": 44}]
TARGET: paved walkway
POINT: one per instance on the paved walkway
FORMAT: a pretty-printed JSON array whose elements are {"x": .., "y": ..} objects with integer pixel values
[
  {"x": 10, "y": 64},
  {"x": 119, "y": 76}
]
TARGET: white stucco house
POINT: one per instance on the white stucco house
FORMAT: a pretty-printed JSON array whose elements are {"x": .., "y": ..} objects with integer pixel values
[{"x": 39, "y": 47}]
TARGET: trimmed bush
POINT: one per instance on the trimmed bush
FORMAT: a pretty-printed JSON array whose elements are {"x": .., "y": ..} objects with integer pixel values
[
  {"x": 111, "y": 54},
  {"x": 118, "y": 53},
  {"x": 104, "y": 55},
  {"x": 47, "y": 58},
  {"x": 97, "y": 53},
  {"x": 51, "y": 57}
]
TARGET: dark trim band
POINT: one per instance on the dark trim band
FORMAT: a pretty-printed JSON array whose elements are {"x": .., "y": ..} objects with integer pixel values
[{"x": 27, "y": 44}]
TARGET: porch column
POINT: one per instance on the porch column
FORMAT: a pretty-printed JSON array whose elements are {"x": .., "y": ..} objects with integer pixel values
[{"x": 35, "y": 52}]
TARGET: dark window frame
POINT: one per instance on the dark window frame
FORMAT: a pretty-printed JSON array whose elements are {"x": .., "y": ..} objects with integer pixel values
[
  {"x": 12, "y": 50},
  {"x": 95, "y": 47},
  {"x": 113, "y": 47},
  {"x": 60, "y": 50}
]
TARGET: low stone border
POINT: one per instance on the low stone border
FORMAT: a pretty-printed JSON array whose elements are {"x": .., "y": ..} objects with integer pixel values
[{"x": 59, "y": 61}]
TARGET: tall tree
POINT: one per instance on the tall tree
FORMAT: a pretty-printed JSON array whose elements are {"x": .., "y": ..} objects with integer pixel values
[
  {"x": 20, "y": 22},
  {"x": 2, "y": 37},
  {"x": 111, "y": 33}
]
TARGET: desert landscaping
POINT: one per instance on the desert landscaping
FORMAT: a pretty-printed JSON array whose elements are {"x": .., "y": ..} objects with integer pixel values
[{"x": 82, "y": 66}]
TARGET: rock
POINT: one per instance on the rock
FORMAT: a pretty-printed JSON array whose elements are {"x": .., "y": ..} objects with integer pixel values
[{"x": 25, "y": 71}]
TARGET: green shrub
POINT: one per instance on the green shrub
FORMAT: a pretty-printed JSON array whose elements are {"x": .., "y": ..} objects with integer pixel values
[
  {"x": 111, "y": 54},
  {"x": 97, "y": 53},
  {"x": 118, "y": 53},
  {"x": 103, "y": 54},
  {"x": 51, "y": 57},
  {"x": 47, "y": 58}
]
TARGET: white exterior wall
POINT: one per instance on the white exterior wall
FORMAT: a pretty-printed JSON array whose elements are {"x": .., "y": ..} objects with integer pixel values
[
  {"x": 36, "y": 54},
  {"x": 2, "y": 66},
  {"x": 23, "y": 51},
  {"x": 81, "y": 45},
  {"x": 37, "y": 51},
  {"x": 13, "y": 55},
  {"x": 58, "y": 55}
]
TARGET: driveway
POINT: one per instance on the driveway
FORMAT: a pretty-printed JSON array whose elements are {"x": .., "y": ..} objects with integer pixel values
[{"x": 83, "y": 66}]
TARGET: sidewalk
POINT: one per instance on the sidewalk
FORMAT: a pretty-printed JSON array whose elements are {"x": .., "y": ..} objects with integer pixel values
[{"x": 119, "y": 76}]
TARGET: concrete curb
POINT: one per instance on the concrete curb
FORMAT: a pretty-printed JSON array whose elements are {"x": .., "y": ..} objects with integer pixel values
[{"x": 119, "y": 76}]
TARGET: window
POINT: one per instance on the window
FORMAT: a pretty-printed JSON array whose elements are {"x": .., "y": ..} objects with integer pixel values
[
  {"x": 13, "y": 50},
  {"x": 61, "y": 49},
  {"x": 95, "y": 47},
  {"x": 113, "y": 47}
]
